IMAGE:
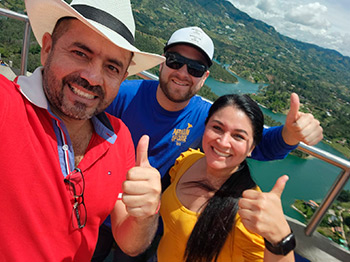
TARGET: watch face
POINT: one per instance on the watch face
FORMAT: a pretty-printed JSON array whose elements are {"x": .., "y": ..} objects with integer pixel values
[
  {"x": 288, "y": 244},
  {"x": 284, "y": 247}
]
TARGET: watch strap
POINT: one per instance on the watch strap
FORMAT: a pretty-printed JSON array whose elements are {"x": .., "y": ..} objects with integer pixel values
[{"x": 286, "y": 245}]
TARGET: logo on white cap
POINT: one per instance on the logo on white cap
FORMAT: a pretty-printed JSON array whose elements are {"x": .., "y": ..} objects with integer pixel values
[{"x": 195, "y": 36}]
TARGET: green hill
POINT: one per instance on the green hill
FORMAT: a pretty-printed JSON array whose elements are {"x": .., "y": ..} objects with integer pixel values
[
  {"x": 253, "y": 49},
  {"x": 257, "y": 52}
]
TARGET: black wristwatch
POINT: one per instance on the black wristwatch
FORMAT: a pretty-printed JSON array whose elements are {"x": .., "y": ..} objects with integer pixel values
[{"x": 286, "y": 245}]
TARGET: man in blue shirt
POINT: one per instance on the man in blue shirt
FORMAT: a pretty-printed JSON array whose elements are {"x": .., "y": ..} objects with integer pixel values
[{"x": 172, "y": 115}]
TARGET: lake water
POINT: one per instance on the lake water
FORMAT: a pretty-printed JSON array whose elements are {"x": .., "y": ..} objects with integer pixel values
[
  {"x": 243, "y": 86},
  {"x": 308, "y": 178}
]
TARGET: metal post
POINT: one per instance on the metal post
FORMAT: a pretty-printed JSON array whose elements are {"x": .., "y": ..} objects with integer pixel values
[
  {"x": 334, "y": 190},
  {"x": 25, "y": 49},
  {"x": 147, "y": 75},
  {"x": 327, "y": 202},
  {"x": 26, "y": 37}
]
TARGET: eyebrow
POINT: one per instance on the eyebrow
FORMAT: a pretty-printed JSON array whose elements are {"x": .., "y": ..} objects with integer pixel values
[
  {"x": 237, "y": 129},
  {"x": 87, "y": 49}
]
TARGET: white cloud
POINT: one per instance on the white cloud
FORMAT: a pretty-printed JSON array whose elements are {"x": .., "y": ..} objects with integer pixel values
[
  {"x": 313, "y": 15},
  {"x": 321, "y": 22},
  {"x": 267, "y": 5}
]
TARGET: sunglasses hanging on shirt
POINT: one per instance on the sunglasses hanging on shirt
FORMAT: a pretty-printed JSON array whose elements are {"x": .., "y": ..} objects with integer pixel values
[{"x": 176, "y": 61}]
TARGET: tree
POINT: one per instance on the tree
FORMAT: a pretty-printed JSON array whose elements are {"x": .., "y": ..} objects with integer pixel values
[{"x": 344, "y": 196}]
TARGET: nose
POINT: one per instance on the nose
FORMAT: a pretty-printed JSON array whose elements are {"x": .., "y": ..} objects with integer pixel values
[
  {"x": 93, "y": 74},
  {"x": 225, "y": 139},
  {"x": 183, "y": 70}
]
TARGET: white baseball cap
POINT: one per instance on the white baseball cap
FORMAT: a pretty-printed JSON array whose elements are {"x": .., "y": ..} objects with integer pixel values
[
  {"x": 112, "y": 19},
  {"x": 194, "y": 36}
]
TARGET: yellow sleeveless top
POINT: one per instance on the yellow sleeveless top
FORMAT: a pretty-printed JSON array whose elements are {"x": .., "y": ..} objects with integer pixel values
[{"x": 240, "y": 245}]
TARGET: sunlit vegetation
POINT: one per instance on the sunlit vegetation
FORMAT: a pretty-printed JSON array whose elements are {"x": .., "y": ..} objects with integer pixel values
[{"x": 251, "y": 48}]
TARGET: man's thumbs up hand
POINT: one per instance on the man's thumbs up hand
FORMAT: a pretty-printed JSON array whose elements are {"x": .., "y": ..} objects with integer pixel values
[
  {"x": 142, "y": 186},
  {"x": 262, "y": 213},
  {"x": 142, "y": 152},
  {"x": 299, "y": 126},
  {"x": 293, "y": 113}
]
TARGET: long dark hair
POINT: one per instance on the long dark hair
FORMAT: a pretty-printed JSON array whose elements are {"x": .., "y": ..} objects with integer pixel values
[{"x": 217, "y": 219}]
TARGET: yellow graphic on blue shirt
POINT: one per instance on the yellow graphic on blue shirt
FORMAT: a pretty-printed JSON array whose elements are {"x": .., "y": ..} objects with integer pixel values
[{"x": 180, "y": 135}]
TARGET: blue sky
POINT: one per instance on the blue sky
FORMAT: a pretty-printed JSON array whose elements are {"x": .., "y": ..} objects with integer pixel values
[{"x": 323, "y": 22}]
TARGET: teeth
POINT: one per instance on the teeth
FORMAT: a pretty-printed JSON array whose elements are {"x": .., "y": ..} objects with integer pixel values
[
  {"x": 81, "y": 93},
  {"x": 180, "y": 84},
  {"x": 220, "y": 153}
]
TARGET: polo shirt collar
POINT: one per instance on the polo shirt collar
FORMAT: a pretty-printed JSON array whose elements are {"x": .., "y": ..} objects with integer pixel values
[{"x": 32, "y": 88}]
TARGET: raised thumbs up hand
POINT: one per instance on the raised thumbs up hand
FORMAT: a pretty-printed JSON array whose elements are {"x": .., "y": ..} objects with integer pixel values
[
  {"x": 142, "y": 152},
  {"x": 299, "y": 126},
  {"x": 262, "y": 213},
  {"x": 142, "y": 186},
  {"x": 293, "y": 114}
]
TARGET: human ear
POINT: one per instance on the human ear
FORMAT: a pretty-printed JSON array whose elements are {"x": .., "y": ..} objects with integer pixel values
[
  {"x": 204, "y": 77},
  {"x": 250, "y": 151},
  {"x": 125, "y": 76},
  {"x": 161, "y": 66},
  {"x": 45, "y": 48}
]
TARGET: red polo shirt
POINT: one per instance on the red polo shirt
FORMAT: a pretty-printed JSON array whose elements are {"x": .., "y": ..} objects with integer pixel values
[{"x": 35, "y": 156}]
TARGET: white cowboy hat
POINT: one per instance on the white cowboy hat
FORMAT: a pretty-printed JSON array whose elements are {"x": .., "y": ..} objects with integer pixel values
[{"x": 112, "y": 19}]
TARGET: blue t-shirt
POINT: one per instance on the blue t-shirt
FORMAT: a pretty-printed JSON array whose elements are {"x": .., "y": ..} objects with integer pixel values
[{"x": 172, "y": 133}]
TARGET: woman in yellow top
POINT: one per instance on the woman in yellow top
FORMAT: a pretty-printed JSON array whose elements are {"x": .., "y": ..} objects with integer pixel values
[{"x": 213, "y": 210}]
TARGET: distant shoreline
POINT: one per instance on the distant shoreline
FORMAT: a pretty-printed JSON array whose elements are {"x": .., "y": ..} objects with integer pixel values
[{"x": 296, "y": 209}]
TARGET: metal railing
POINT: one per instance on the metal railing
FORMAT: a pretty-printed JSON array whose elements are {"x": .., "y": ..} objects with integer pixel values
[
  {"x": 334, "y": 191},
  {"x": 26, "y": 36},
  {"x": 321, "y": 154}
]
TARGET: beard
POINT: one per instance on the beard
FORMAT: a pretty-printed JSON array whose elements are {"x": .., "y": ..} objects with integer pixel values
[
  {"x": 173, "y": 96},
  {"x": 59, "y": 104}
]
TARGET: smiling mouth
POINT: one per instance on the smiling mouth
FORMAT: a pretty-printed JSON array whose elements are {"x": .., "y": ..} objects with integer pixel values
[
  {"x": 221, "y": 153},
  {"x": 81, "y": 93},
  {"x": 180, "y": 83}
]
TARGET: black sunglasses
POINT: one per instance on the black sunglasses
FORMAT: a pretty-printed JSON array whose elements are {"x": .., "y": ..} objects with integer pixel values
[
  {"x": 76, "y": 183},
  {"x": 176, "y": 61}
]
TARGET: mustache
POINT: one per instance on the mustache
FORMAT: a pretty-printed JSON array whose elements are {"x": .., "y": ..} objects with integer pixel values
[{"x": 76, "y": 79}]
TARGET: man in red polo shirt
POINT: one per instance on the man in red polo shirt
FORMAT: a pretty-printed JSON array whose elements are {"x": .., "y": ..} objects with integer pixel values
[{"x": 66, "y": 165}]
